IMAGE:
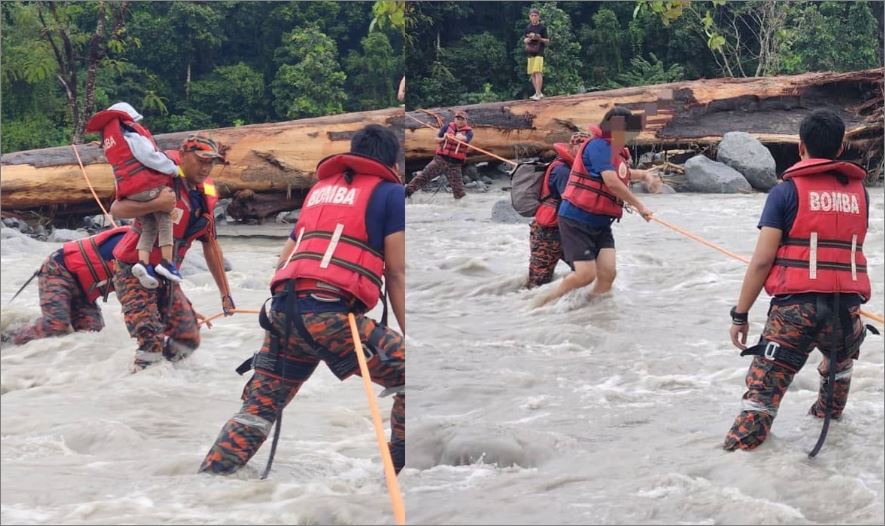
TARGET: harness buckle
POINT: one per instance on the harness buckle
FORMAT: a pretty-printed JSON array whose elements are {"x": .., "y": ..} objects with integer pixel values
[{"x": 771, "y": 349}]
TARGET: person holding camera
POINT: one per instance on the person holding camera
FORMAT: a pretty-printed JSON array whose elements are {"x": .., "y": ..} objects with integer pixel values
[{"x": 535, "y": 40}]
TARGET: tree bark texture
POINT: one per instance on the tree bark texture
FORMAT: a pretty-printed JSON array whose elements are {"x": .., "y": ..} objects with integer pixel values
[
  {"x": 678, "y": 114},
  {"x": 275, "y": 157}
]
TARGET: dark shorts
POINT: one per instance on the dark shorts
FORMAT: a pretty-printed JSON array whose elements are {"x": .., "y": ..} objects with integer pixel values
[{"x": 581, "y": 242}]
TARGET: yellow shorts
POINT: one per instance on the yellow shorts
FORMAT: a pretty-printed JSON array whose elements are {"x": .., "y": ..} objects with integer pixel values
[{"x": 535, "y": 65}]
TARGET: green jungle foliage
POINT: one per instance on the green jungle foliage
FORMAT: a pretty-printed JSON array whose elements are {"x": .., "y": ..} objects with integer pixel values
[
  {"x": 470, "y": 52},
  {"x": 192, "y": 65}
]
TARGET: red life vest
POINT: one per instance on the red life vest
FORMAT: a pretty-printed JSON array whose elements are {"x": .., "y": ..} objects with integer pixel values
[
  {"x": 126, "y": 250},
  {"x": 130, "y": 176},
  {"x": 547, "y": 214},
  {"x": 591, "y": 194},
  {"x": 823, "y": 251},
  {"x": 331, "y": 249},
  {"x": 453, "y": 149},
  {"x": 83, "y": 259}
]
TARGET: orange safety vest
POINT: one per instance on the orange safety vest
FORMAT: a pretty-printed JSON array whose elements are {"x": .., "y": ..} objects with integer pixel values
[
  {"x": 332, "y": 251},
  {"x": 823, "y": 251},
  {"x": 83, "y": 260}
]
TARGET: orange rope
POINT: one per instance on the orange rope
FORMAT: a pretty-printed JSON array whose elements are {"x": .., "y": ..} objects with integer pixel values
[
  {"x": 467, "y": 144},
  {"x": 871, "y": 315},
  {"x": 220, "y": 314},
  {"x": 396, "y": 498},
  {"x": 91, "y": 189}
]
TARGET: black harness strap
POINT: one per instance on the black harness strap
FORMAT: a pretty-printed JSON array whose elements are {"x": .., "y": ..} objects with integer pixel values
[
  {"x": 290, "y": 304},
  {"x": 834, "y": 358}
]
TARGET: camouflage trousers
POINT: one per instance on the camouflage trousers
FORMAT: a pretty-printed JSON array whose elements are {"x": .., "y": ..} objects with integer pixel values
[
  {"x": 267, "y": 391},
  {"x": 546, "y": 251},
  {"x": 163, "y": 330},
  {"x": 63, "y": 304},
  {"x": 439, "y": 166},
  {"x": 767, "y": 380}
]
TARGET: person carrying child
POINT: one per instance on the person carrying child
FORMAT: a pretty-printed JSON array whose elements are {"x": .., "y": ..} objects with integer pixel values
[{"x": 141, "y": 170}]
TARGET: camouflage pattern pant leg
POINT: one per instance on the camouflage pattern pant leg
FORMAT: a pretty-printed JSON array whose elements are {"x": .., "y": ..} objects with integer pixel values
[
  {"x": 150, "y": 319},
  {"x": 243, "y": 434},
  {"x": 439, "y": 166},
  {"x": 767, "y": 381},
  {"x": 63, "y": 305},
  {"x": 848, "y": 350},
  {"x": 546, "y": 251}
]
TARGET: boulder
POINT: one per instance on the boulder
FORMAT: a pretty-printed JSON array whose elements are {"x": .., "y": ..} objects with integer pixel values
[
  {"x": 706, "y": 175},
  {"x": 751, "y": 158},
  {"x": 63, "y": 235},
  {"x": 503, "y": 212}
]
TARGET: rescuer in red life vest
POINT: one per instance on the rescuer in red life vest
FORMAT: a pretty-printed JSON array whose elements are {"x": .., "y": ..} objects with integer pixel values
[
  {"x": 809, "y": 258},
  {"x": 450, "y": 156},
  {"x": 545, "y": 247},
  {"x": 141, "y": 170},
  {"x": 162, "y": 319},
  {"x": 593, "y": 199},
  {"x": 348, "y": 241},
  {"x": 69, "y": 282}
]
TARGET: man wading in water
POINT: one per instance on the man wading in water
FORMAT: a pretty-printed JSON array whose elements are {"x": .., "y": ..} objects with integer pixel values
[
  {"x": 449, "y": 158},
  {"x": 162, "y": 319},
  {"x": 809, "y": 258},
  {"x": 594, "y": 197},
  {"x": 350, "y": 236}
]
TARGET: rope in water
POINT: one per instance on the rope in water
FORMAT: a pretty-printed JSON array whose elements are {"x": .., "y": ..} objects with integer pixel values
[
  {"x": 699, "y": 239},
  {"x": 396, "y": 497}
]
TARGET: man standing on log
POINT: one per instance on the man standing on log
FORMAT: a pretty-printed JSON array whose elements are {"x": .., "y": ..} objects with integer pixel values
[
  {"x": 594, "y": 198},
  {"x": 810, "y": 260},
  {"x": 535, "y": 41},
  {"x": 162, "y": 319},
  {"x": 349, "y": 239},
  {"x": 69, "y": 282},
  {"x": 450, "y": 156}
]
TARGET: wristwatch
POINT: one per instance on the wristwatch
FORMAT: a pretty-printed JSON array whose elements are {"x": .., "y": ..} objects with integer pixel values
[{"x": 739, "y": 318}]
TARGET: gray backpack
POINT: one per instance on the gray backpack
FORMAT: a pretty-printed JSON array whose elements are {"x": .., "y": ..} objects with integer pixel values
[{"x": 525, "y": 188}]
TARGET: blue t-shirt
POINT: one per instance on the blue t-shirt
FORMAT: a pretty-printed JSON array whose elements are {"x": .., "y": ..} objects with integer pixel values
[
  {"x": 386, "y": 214},
  {"x": 782, "y": 204},
  {"x": 779, "y": 212},
  {"x": 106, "y": 249},
  {"x": 597, "y": 159},
  {"x": 558, "y": 180}
]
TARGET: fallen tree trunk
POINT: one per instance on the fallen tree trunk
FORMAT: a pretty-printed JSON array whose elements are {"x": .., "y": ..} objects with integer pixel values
[
  {"x": 682, "y": 113},
  {"x": 275, "y": 157}
]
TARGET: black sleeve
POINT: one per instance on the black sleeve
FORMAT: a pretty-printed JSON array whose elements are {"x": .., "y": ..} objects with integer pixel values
[
  {"x": 543, "y": 31},
  {"x": 526, "y": 32}
]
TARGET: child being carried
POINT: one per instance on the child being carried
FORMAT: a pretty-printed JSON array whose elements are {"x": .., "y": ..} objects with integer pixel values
[{"x": 141, "y": 171}]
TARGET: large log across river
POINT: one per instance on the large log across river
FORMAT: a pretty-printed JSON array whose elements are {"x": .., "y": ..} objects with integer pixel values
[
  {"x": 275, "y": 157},
  {"x": 680, "y": 113}
]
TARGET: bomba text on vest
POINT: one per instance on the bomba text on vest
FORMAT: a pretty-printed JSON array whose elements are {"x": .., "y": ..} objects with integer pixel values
[
  {"x": 833, "y": 202},
  {"x": 335, "y": 195}
]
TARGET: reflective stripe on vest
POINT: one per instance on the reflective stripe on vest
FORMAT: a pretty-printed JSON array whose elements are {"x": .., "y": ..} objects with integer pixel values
[{"x": 823, "y": 251}]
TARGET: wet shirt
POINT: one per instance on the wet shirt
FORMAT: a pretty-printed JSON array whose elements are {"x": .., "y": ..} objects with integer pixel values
[
  {"x": 597, "y": 158},
  {"x": 779, "y": 212},
  {"x": 540, "y": 29}
]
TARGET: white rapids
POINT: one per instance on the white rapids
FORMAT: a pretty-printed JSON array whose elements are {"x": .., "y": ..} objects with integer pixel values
[
  {"x": 614, "y": 412},
  {"x": 85, "y": 442}
]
